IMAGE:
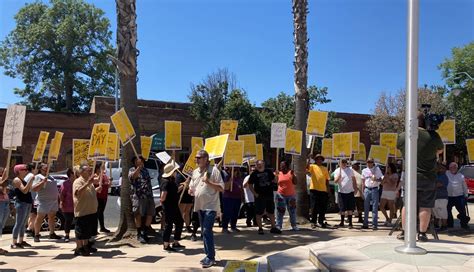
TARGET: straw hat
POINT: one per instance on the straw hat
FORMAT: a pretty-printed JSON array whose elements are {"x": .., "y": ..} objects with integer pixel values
[{"x": 169, "y": 169}]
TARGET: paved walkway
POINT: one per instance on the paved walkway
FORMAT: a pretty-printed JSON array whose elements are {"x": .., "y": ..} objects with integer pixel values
[{"x": 245, "y": 245}]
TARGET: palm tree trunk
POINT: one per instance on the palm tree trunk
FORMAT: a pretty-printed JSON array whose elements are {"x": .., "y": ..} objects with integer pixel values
[
  {"x": 127, "y": 64},
  {"x": 300, "y": 10}
]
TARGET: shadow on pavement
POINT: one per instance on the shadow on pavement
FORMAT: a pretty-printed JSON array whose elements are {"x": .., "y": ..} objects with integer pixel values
[
  {"x": 26, "y": 253},
  {"x": 148, "y": 259}
]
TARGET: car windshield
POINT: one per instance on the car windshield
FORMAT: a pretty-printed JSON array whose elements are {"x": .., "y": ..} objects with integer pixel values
[{"x": 468, "y": 172}]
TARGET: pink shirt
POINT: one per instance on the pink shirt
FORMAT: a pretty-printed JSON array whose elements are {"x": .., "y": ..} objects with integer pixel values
[
  {"x": 65, "y": 195},
  {"x": 285, "y": 184}
]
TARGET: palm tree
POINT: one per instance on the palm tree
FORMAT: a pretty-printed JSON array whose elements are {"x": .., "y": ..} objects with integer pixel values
[
  {"x": 126, "y": 62},
  {"x": 300, "y": 11}
]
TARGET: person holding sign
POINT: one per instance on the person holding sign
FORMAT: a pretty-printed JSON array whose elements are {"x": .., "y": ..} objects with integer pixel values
[
  {"x": 169, "y": 199},
  {"x": 101, "y": 184},
  {"x": 206, "y": 183},
  {"x": 23, "y": 204},
  {"x": 4, "y": 203},
  {"x": 66, "y": 202},
  {"x": 85, "y": 210},
  {"x": 231, "y": 200},
  {"x": 344, "y": 177},
  {"x": 286, "y": 196},
  {"x": 143, "y": 204},
  {"x": 319, "y": 191},
  {"x": 429, "y": 147},
  {"x": 47, "y": 197},
  {"x": 262, "y": 181},
  {"x": 372, "y": 176},
  {"x": 457, "y": 195},
  {"x": 389, "y": 193}
]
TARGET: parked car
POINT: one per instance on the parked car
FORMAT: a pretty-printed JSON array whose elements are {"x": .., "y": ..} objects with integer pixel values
[
  {"x": 114, "y": 172},
  {"x": 468, "y": 173}
]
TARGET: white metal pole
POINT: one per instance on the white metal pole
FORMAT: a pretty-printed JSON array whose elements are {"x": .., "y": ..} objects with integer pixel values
[{"x": 411, "y": 132}]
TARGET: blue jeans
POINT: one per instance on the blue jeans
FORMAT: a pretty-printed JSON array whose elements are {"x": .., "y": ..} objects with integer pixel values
[
  {"x": 371, "y": 196},
  {"x": 283, "y": 203},
  {"x": 4, "y": 212},
  {"x": 22, "y": 211},
  {"x": 231, "y": 207},
  {"x": 207, "y": 218}
]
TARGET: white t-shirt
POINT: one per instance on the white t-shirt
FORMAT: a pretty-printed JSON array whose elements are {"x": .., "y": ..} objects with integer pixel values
[
  {"x": 345, "y": 183},
  {"x": 206, "y": 198},
  {"x": 367, "y": 175},
  {"x": 249, "y": 197}
]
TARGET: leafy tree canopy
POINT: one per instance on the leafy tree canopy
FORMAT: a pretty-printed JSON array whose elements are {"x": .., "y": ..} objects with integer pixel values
[{"x": 59, "y": 51}]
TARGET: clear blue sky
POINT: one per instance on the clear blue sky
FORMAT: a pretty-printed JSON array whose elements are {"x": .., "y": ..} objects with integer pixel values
[{"x": 357, "y": 48}]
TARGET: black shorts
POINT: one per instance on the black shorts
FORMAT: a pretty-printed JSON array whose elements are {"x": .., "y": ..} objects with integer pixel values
[
  {"x": 426, "y": 199},
  {"x": 85, "y": 226},
  {"x": 264, "y": 203},
  {"x": 346, "y": 202}
]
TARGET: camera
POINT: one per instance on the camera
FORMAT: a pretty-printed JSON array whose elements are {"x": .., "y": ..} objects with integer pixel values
[{"x": 432, "y": 120}]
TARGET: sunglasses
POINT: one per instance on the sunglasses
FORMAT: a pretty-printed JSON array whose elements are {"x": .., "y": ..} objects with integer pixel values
[{"x": 370, "y": 162}]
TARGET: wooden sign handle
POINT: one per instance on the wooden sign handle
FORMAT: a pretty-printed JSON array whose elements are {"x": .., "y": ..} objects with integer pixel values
[
  {"x": 277, "y": 157},
  {"x": 134, "y": 150},
  {"x": 444, "y": 153},
  {"x": 231, "y": 178},
  {"x": 7, "y": 167}
]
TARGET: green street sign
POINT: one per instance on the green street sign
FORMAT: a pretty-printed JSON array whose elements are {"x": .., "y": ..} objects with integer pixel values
[{"x": 158, "y": 141}]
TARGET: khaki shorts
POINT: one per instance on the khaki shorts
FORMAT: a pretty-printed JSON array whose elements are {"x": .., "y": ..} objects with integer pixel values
[{"x": 440, "y": 209}]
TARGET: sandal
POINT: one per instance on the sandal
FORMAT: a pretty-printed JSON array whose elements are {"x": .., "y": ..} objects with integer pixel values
[{"x": 3, "y": 252}]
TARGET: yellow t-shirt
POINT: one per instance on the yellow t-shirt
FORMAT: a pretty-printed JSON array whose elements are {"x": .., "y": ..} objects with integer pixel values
[{"x": 319, "y": 175}]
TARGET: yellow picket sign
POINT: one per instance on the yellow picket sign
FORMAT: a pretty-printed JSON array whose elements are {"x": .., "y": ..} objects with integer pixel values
[
  {"x": 294, "y": 141},
  {"x": 229, "y": 127},
  {"x": 146, "y": 146},
  {"x": 80, "y": 148},
  {"x": 215, "y": 146},
  {"x": 326, "y": 149},
  {"x": 447, "y": 131},
  {"x": 341, "y": 145},
  {"x": 55, "y": 146},
  {"x": 355, "y": 142},
  {"x": 112, "y": 147},
  {"x": 253, "y": 161},
  {"x": 250, "y": 145},
  {"x": 247, "y": 266},
  {"x": 191, "y": 162},
  {"x": 389, "y": 140},
  {"x": 199, "y": 141},
  {"x": 98, "y": 141},
  {"x": 40, "y": 146},
  {"x": 317, "y": 123},
  {"x": 123, "y": 126},
  {"x": 379, "y": 154},
  {"x": 470, "y": 149},
  {"x": 173, "y": 135},
  {"x": 234, "y": 154},
  {"x": 362, "y": 155}
]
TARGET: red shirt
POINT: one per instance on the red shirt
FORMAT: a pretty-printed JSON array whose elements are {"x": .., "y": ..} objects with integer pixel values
[
  {"x": 65, "y": 194},
  {"x": 105, "y": 188},
  {"x": 285, "y": 184}
]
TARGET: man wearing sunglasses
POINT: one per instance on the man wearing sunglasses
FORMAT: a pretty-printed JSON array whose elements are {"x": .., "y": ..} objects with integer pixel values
[{"x": 372, "y": 176}]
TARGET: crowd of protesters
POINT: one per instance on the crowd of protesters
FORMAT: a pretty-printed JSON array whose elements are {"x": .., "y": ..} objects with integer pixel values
[{"x": 213, "y": 192}]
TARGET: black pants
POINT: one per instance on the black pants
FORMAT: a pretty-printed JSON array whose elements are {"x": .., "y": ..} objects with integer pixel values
[
  {"x": 319, "y": 203},
  {"x": 100, "y": 212},
  {"x": 250, "y": 213},
  {"x": 68, "y": 217},
  {"x": 173, "y": 216}
]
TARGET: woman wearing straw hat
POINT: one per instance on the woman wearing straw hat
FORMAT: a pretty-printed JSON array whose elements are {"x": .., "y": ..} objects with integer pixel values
[{"x": 169, "y": 199}]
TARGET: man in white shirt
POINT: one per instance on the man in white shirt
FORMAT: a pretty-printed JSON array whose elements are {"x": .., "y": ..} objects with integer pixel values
[
  {"x": 457, "y": 194},
  {"x": 372, "y": 176},
  {"x": 344, "y": 177},
  {"x": 206, "y": 183}
]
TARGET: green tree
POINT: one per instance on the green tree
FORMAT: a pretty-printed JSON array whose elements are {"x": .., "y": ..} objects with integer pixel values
[
  {"x": 60, "y": 53},
  {"x": 458, "y": 72}
]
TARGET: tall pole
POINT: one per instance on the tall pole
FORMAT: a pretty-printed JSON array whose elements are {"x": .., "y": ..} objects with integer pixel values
[
  {"x": 411, "y": 131},
  {"x": 116, "y": 86}
]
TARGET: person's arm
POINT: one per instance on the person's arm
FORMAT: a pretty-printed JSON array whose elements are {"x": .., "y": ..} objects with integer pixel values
[
  {"x": 215, "y": 181},
  {"x": 80, "y": 189},
  {"x": 38, "y": 185},
  {"x": 24, "y": 189},
  {"x": 4, "y": 177},
  {"x": 354, "y": 184},
  {"x": 252, "y": 189},
  {"x": 337, "y": 176}
]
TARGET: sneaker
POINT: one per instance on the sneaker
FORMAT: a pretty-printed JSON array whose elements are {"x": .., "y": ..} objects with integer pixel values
[
  {"x": 295, "y": 228},
  {"x": 66, "y": 239},
  {"x": 260, "y": 231},
  {"x": 208, "y": 263},
  {"x": 235, "y": 230},
  {"x": 203, "y": 260},
  {"x": 169, "y": 249},
  {"x": 25, "y": 244},
  {"x": 16, "y": 246},
  {"x": 90, "y": 248},
  {"x": 351, "y": 226},
  {"x": 375, "y": 228},
  {"x": 225, "y": 231},
  {"x": 275, "y": 231},
  {"x": 141, "y": 239},
  {"x": 365, "y": 227},
  {"x": 422, "y": 237},
  {"x": 178, "y": 245},
  {"x": 37, "y": 238},
  {"x": 324, "y": 225},
  {"x": 189, "y": 229},
  {"x": 193, "y": 237},
  {"x": 54, "y": 236},
  {"x": 401, "y": 236},
  {"x": 84, "y": 251},
  {"x": 387, "y": 224}
]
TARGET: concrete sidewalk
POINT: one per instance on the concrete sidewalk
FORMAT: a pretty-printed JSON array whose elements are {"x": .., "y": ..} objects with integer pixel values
[{"x": 245, "y": 245}]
